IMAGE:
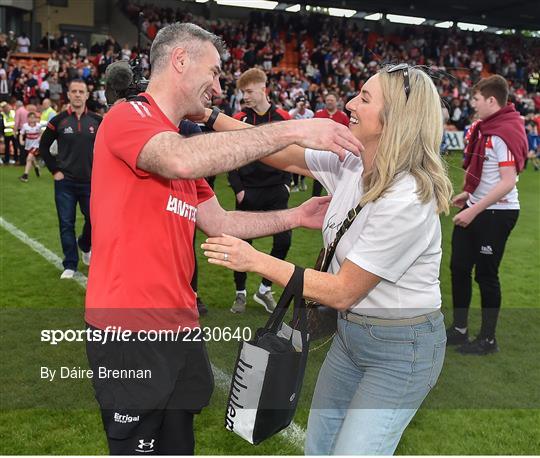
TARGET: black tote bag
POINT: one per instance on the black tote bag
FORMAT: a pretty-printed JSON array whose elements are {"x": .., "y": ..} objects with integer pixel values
[{"x": 269, "y": 371}]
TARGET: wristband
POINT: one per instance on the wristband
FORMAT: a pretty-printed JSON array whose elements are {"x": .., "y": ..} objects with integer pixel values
[{"x": 212, "y": 118}]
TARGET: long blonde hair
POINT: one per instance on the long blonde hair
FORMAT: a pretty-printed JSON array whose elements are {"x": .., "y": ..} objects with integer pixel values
[{"x": 410, "y": 141}]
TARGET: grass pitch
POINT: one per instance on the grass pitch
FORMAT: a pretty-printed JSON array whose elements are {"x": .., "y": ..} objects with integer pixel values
[{"x": 481, "y": 405}]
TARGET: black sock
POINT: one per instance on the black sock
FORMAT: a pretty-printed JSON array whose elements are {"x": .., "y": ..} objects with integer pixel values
[{"x": 489, "y": 322}]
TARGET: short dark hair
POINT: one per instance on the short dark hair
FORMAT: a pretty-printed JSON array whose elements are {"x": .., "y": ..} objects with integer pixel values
[
  {"x": 77, "y": 80},
  {"x": 493, "y": 86},
  {"x": 183, "y": 34},
  {"x": 333, "y": 94}
]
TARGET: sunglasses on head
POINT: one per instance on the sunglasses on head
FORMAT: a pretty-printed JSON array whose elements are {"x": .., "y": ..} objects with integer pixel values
[{"x": 406, "y": 82}]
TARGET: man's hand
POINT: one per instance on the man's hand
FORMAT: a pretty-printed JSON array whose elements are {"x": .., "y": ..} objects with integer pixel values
[
  {"x": 311, "y": 213},
  {"x": 240, "y": 196},
  {"x": 325, "y": 134},
  {"x": 465, "y": 217},
  {"x": 460, "y": 200},
  {"x": 58, "y": 176}
]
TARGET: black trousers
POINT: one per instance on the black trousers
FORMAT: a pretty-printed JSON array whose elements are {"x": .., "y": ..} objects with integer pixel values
[
  {"x": 11, "y": 140},
  {"x": 266, "y": 199},
  {"x": 480, "y": 246},
  {"x": 296, "y": 178},
  {"x": 317, "y": 189}
]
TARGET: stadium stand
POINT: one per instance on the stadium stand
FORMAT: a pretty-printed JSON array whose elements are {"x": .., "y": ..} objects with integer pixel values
[{"x": 310, "y": 54}]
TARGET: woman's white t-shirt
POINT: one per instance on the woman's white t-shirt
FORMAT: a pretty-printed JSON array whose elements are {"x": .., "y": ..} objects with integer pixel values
[{"x": 396, "y": 238}]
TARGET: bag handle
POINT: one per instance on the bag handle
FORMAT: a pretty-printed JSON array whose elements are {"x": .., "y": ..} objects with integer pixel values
[
  {"x": 347, "y": 223},
  {"x": 293, "y": 289},
  {"x": 300, "y": 312}
]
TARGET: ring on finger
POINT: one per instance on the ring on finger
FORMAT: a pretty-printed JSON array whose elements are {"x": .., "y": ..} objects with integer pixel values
[{"x": 225, "y": 256}]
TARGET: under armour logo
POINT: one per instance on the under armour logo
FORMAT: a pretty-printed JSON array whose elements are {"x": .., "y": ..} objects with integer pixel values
[{"x": 145, "y": 447}]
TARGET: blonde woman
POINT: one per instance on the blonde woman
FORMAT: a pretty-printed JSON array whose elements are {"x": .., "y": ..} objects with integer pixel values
[{"x": 384, "y": 279}]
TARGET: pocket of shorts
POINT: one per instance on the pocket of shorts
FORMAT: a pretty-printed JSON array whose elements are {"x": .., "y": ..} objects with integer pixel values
[
  {"x": 439, "y": 351},
  {"x": 392, "y": 334}
]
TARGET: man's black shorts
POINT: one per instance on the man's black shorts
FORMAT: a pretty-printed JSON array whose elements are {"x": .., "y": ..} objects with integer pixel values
[{"x": 153, "y": 378}]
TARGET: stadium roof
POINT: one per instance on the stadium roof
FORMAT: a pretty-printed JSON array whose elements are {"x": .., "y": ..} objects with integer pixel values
[{"x": 508, "y": 14}]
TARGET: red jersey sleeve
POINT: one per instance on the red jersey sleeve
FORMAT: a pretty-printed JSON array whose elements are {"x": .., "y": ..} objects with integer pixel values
[
  {"x": 204, "y": 191},
  {"x": 285, "y": 115},
  {"x": 129, "y": 126}
]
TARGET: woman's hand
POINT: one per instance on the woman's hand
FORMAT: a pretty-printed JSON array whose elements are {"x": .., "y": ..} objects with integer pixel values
[{"x": 230, "y": 252}]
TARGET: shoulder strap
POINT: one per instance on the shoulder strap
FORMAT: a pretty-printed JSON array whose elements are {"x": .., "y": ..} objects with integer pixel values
[{"x": 331, "y": 250}]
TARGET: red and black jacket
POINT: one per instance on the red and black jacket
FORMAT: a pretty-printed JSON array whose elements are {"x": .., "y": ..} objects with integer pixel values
[{"x": 257, "y": 174}]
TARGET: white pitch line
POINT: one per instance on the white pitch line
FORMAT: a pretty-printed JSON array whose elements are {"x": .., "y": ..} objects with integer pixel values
[
  {"x": 294, "y": 434},
  {"x": 53, "y": 258}
]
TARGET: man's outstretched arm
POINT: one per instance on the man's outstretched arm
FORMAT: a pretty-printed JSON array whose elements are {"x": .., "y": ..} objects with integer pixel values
[
  {"x": 213, "y": 220},
  {"x": 169, "y": 155}
]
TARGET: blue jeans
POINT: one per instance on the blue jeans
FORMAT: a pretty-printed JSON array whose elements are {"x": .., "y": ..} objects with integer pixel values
[
  {"x": 371, "y": 384},
  {"x": 67, "y": 194}
]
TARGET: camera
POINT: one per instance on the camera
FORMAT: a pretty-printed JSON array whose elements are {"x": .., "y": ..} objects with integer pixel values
[{"x": 124, "y": 79}]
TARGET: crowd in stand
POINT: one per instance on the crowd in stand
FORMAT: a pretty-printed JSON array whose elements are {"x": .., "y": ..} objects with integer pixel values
[
  {"x": 334, "y": 55},
  {"x": 338, "y": 55}
]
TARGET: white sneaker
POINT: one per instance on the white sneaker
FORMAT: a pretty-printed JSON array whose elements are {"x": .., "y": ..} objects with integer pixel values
[
  {"x": 266, "y": 300},
  {"x": 12, "y": 162},
  {"x": 67, "y": 274},
  {"x": 86, "y": 258}
]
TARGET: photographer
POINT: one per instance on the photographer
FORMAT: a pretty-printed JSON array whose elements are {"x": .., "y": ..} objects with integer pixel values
[{"x": 148, "y": 195}]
